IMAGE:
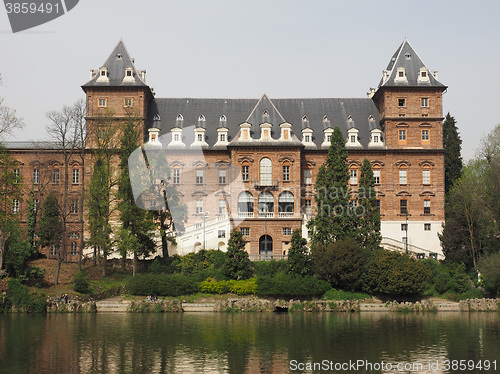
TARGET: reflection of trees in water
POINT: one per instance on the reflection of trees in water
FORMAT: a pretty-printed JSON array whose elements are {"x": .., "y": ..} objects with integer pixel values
[{"x": 237, "y": 342}]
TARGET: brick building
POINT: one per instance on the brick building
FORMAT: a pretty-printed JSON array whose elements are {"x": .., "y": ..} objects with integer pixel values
[{"x": 252, "y": 163}]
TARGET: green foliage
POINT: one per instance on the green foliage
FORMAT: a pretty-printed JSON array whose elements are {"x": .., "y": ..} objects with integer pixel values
[
  {"x": 18, "y": 253},
  {"x": 237, "y": 265},
  {"x": 81, "y": 283},
  {"x": 21, "y": 299},
  {"x": 299, "y": 260},
  {"x": 395, "y": 274},
  {"x": 161, "y": 265},
  {"x": 51, "y": 226},
  {"x": 239, "y": 287},
  {"x": 161, "y": 285},
  {"x": 291, "y": 285},
  {"x": 334, "y": 294},
  {"x": 270, "y": 268},
  {"x": 368, "y": 225},
  {"x": 447, "y": 277},
  {"x": 332, "y": 221},
  {"x": 490, "y": 272},
  {"x": 341, "y": 264},
  {"x": 452, "y": 152}
]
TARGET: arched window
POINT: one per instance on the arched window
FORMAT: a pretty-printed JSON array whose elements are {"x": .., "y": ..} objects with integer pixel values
[
  {"x": 286, "y": 204},
  {"x": 266, "y": 172},
  {"x": 266, "y": 204},
  {"x": 245, "y": 202}
]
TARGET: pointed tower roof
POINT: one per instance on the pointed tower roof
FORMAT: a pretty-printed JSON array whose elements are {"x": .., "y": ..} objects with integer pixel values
[
  {"x": 116, "y": 66},
  {"x": 265, "y": 107},
  {"x": 407, "y": 60}
]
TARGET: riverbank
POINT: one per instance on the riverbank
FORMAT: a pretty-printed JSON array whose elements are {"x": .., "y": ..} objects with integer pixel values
[{"x": 255, "y": 304}]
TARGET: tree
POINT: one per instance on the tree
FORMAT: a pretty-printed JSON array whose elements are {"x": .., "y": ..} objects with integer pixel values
[
  {"x": 369, "y": 219},
  {"x": 333, "y": 219},
  {"x": 237, "y": 265},
  {"x": 9, "y": 121},
  {"x": 490, "y": 272},
  {"x": 52, "y": 229},
  {"x": 10, "y": 193},
  {"x": 341, "y": 263},
  {"x": 137, "y": 222},
  {"x": 452, "y": 152},
  {"x": 299, "y": 260}
]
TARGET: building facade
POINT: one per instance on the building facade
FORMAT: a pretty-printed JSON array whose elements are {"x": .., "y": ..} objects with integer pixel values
[{"x": 252, "y": 163}]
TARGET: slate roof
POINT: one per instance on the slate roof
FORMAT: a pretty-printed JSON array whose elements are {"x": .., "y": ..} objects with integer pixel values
[
  {"x": 406, "y": 57},
  {"x": 238, "y": 111},
  {"x": 116, "y": 63},
  {"x": 30, "y": 145}
]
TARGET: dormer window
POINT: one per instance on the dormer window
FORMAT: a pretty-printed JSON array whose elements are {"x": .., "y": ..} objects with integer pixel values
[
  {"x": 375, "y": 138},
  {"x": 326, "y": 121},
  {"x": 119, "y": 56},
  {"x": 177, "y": 137},
  {"x": 401, "y": 75},
  {"x": 265, "y": 116},
  {"x": 329, "y": 138},
  {"x": 307, "y": 138},
  {"x": 353, "y": 138},
  {"x": 200, "y": 137},
  {"x": 423, "y": 75},
  {"x": 103, "y": 74},
  {"x": 129, "y": 75},
  {"x": 222, "y": 121},
  {"x": 222, "y": 137}
]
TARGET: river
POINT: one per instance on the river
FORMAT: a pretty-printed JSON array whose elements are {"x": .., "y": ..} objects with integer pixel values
[{"x": 250, "y": 343}]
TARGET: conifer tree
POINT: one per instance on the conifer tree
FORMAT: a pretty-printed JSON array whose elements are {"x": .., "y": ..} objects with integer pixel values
[
  {"x": 452, "y": 144},
  {"x": 333, "y": 220},
  {"x": 137, "y": 222},
  {"x": 299, "y": 260},
  {"x": 237, "y": 264},
  {"x": 368, "y": 228}
]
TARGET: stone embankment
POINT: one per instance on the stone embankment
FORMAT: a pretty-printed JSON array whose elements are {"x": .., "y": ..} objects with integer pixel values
[
  {"x": 480, "y": 305},
  {"x": 56, "y": 304}
]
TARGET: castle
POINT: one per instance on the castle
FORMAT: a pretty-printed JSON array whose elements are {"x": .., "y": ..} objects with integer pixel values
[{"x": 275, "y": 147}]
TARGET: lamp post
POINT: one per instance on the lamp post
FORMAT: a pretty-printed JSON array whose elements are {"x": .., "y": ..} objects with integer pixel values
[{"x": 204, "y": 216}]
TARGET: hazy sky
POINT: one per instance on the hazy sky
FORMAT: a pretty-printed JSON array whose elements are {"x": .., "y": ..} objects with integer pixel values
[{"x": 242, "y": 49}]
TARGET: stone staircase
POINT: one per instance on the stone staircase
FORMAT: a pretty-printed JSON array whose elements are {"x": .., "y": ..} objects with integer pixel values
[{"x": 114, "y": 304}]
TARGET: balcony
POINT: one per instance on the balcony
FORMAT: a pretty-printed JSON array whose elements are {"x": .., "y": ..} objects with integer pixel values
[
  {"x": 245, "y": 214},
  {"x": 267, "y": 257},
  {"x": 265, "y": 184},
  {"x": 266, "y": 215},
  {"x": 285, "y": 215}
]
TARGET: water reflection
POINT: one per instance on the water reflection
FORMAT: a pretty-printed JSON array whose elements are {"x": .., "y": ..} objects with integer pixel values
[{"x": 241, "y": 343}]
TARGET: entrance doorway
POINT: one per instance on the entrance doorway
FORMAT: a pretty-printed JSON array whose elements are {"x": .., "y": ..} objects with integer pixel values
[{"x": 265, "y": 245}]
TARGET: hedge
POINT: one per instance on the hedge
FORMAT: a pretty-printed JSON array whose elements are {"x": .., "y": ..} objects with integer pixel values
[
  {"x": 162, "y": 285},
  {"x": 291, "y": 285}
]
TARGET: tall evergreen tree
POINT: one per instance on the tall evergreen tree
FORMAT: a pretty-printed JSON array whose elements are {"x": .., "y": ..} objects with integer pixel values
[
  {"x": 369, "y": 215},
  {"x": 333, "y": 220},
  {"x": 137, "y": 222},
  {"x": 237, "y": 264},
  {"x": 52, "y": 229},
  {"x": 299, "y": 259},
  {"x": 452, "y": 152}
]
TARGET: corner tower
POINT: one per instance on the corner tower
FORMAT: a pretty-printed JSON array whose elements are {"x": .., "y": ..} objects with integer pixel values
[{"x": 116, "y": 92}]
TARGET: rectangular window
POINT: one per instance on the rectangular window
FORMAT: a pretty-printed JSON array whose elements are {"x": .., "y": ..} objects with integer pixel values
[
  {"x": 376, "y": 176},
  {"x": 425, "y": 135},
  {"x": 245, "y": 231},
  {"x": 426, "y": 177},
  {"x": 245, "y": 172},
  {"x": 199, "y": 206},
  {"x": 427, "y": 207},
  {"x": 55, "y": 176},
  {"x": 200, "y": 137},
  {"x": 53, "y": 250},
  {"x": 328, "y": 138},
  {"x": 375, "y": 139},
  {"x": 402, "y": 134},
  {"x": 402, "y": 176},
  {"x": 401, "y": 102},
  {"x": 199, "y": 176},
  {"x": 286, "y": 173},
  {"x": 176, "y": 137},
  {"x": 222, "y": 207},
  {"x": 75, "y": 176},
  {"x": 286, "y": 231},
  {"x": 427, "y": 227},
  {"x": 74, "y": 207},
  {"x": 425, "y": 101},
  {"x": 307, "y": 138},
  {"x": 353, "y": 138},
  {"x": 308, "y": 207},
  {"x": 222, "y": 176},
  {"x": 222, "y": 137},
  {"x": 176, "y": 179},
  {"x": 15, "y": 206},
  {"x": 17, "y": 175},
  {"x": 36, "y": 204},
  {"x": 354, "y": 176},
  {"x": 128, "y": 102},
  {"x": 36, "y": 176},
  {"x": 221, "y": 234},
  {"x": 377, "y": 205},
  {"x": 103, "y": 102},
  {"x": 74, "y": 248},
  {"x": 404, "y": 227},
  {"x": 308, "y": 176},
  {"x": 403, "y": 206}
]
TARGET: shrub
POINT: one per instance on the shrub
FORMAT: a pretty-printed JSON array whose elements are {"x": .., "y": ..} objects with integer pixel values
[
  {"x": 395, "y": 274},
  {"x": 299, "y": 260},
  {"x": 20, "y": 297},
  {"x": 237, "y": 264},
  {"x": 161, "y": 285},
  {"x": 333, "y": 294},
  {"x": 341, "y": 264},
  {"x": 81, "y": 283},
  {"x": 270, "y": 268},
  {"x": 447, "y": 277},
  {"x": 291, "y": 285},
  {"x": 490, "y": 271},
  {"x": 239, "y": 287}
]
